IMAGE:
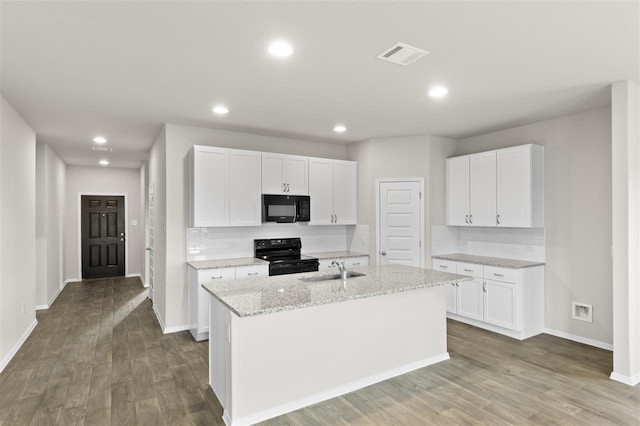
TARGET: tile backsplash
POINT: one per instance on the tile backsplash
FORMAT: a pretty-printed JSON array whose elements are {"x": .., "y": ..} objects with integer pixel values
[
  {"x": 511, "y": 243},
  {"x": 227, "y": 243}
]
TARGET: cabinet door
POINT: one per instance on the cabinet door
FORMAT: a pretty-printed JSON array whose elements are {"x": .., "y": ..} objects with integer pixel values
[
  {"x": 500, "y": 304},
  {"x": 297, "y": 175},
  {"x": 208, "y": 187},
  {"x": 457, "y": 191},
  {"x": 273, "y": 179},
  {"x": 345, "y": 199},
  {"x": 482, "y": 189},
  {"x": 245, "y": 188},
  {"x": 452, "y": 297},
  {"x": 514, "y": 186},
  {"x": 470, "y": 299},
  {"x": 321, "y": 191}
]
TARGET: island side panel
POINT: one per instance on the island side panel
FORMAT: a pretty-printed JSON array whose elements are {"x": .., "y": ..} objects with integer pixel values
[
  {"x": 219, "y": 350},
  {"x": 288, "y": 360}
]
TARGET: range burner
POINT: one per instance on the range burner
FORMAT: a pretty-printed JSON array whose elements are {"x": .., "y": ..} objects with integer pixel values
[{"x": 283, "y": 255}]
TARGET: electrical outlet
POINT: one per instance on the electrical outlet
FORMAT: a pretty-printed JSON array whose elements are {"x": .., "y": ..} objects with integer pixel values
[{"x": 582, "y": 312}]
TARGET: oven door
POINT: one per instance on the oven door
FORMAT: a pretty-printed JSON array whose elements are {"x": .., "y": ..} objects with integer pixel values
[{"x": 293, "y": 267}]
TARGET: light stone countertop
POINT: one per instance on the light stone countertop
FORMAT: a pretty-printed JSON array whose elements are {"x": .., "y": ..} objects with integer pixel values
[
  {"x": 336, "y": 254},
  {"x": 489, "y": 261},
  {"x": 226, "y": 263},
  {"x": 259, "y": 296}
]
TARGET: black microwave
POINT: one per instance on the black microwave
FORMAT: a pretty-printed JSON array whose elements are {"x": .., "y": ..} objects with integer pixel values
[{"x": 286, "y": 208}]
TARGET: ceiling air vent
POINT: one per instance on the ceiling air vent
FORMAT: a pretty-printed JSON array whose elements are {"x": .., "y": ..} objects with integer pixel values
[
  {"x": 402, "y": 54},
  {"x": 101, "y": 148}
]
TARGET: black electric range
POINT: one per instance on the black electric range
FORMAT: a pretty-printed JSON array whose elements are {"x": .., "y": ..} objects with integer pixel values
[{"x": 283, "y": 255}]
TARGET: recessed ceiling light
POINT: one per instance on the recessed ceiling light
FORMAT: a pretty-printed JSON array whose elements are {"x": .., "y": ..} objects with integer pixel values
[
  {"x": 280, "y": 48},
  {"x": 438, "y": 92},
  {"x": 100, "y": 139},
  {"x": 220, "y": 110},
  {"x": 104, "y": 162},
  {"x": 339, "y": 129}
]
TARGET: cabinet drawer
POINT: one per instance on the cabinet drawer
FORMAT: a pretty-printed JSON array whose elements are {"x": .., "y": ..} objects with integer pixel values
[
  {"x": 500, "y": 274},
  {"x": 213, "y": 275},
  {"x": 444, "y": 265},
  {"x": 244, "y": 272},
  {"x": 352, "y": 262},
  {"x": 469, "y": 269}
]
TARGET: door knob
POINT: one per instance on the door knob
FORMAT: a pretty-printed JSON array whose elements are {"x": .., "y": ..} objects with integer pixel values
[{"x": 384, "y": 253}]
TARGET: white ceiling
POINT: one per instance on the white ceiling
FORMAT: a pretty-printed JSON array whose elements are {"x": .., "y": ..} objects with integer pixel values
[{"x": 120, "y": 69}]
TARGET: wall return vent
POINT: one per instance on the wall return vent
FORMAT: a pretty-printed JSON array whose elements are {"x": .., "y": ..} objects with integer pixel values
[{"x": 402, "y": 54}]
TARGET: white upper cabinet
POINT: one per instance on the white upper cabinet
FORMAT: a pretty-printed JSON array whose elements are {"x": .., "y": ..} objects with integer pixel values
[
  {"x": 520, "y": 200},
  {"x": 457, "y": 191},
  {"x": 482, "y": 189},
  {"x": 224, "y": 187},
  {"x": 245, "y": 198},
  {"x": 208, "y": 189},
  {"x": 332, "y": 189},
  {"x": 496, "y": 188},
  {"x": 285, "y": 174}
]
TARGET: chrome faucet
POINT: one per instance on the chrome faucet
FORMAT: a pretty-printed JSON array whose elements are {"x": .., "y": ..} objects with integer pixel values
[{"x": 340, "y": 265}]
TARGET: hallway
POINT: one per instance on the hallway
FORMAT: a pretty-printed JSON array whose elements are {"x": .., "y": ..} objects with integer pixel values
[{"x": 98, "y": 356}]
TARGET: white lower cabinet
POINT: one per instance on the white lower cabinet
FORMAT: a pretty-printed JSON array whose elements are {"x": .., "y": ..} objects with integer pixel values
[
  {"x": 349, "y": 262},
  {"x": 503, "y": 300},
  {"x": 198, "y": 297}
]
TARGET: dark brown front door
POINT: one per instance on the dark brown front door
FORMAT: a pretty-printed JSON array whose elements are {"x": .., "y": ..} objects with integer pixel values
[{"x": 102, "y": 236}]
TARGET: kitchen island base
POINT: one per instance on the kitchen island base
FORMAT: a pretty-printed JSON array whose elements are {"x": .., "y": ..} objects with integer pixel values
[{"x": 264, "y": 366}]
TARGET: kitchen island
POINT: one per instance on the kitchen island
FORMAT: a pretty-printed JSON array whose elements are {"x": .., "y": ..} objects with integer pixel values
[{"x": 281, "y": 343}]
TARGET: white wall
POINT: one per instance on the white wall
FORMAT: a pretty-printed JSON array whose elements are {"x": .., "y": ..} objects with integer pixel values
[
  {"x": 577, "y": 215},
  {"x": 626, "y": 231},
  {"x": 50, "y": 181},
  {"x": 96, "y": 181},
  {"x": 157, "y": 180},
  {"x": 17, "y": 231},
  {"x": 179, "y": 140},
  {"x": 402, "y": 157}
]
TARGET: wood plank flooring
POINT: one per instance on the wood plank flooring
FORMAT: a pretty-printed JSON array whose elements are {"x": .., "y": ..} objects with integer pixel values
[{"x": 98, "y": 357}]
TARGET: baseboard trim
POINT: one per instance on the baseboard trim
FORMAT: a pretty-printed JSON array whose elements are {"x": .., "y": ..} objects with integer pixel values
[
  {"x": 165, "y": 329},
  {"x": 334, "y": 392},
  {"x": 158, "y": 317},
  {"x": 7, "y": 359},
  {"x": 53, "y": 299},
  {"x": 579, "y": 339},
  {"x": 627, "y": 380}
]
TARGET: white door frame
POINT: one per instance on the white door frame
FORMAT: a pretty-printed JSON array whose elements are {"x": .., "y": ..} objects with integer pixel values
[
  {"x": 422, "y": 209},
  {"x": 126, "y": 228}
]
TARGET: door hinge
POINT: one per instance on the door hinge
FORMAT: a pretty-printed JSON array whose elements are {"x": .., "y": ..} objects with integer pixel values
[{"x": 420, "y": 195}]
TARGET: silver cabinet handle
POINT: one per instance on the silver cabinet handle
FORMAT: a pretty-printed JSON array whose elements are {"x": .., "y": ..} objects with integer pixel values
[
  {"x": 498, "y": 219},
  {"x": 484, "y": 287},
  {"x": 252, "y": 273},
  {"x": 457, "y": 285},
  {"x": 466, "y": 219},
  {"x": 384, "y": 253},
  {"x": 468, "y": 270},
  {"x": 444, "y": 266},
  {"x": 470, "y": 218},
  {"x": 356, "y": 263},
  {"x": 336, "y": 218},
  {"x": 216, "y": 278},
  {"x": 288, "y": 188},
  {"x": 498, "y": 275}
]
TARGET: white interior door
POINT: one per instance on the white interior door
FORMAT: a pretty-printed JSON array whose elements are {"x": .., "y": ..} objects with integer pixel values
[{"x": 400, "y": 222}]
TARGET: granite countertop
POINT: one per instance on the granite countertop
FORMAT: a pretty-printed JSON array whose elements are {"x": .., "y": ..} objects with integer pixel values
[
  {"x": 335, "y": 254},
  {"x": 226, "y": 263},
  {"x": 489, "y": 261},
  {"x": 267, "y": 295}
]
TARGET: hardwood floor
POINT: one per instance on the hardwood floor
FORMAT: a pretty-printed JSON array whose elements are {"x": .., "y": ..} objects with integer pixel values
[{"x": 98, "y": 357}]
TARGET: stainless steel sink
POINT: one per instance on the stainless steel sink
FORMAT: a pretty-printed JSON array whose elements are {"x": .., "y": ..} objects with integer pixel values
[{"x": 330, "y": 277}]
